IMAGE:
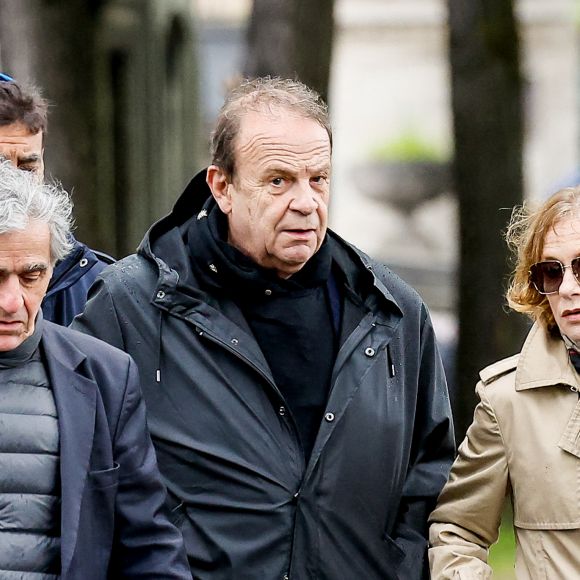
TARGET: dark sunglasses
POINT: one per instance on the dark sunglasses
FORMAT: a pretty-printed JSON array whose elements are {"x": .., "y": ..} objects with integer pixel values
[
  {"x": 547, "y": 276},
  {"x": 6, "y": 78}
]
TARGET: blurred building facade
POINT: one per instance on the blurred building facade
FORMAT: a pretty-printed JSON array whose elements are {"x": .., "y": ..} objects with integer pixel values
[
  {"x": 163, "y": 67},
  {"x": 390, "y": 84},
  {"x": 148, "y": 112},
  {"x": 391, "y": 79},
  {"x": 121, "y": 77}
]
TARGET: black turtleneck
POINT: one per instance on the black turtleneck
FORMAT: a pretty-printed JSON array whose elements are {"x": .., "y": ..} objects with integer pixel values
[
  {"x": 291, "y": 319},
  {"x": 23, "y": 352}
]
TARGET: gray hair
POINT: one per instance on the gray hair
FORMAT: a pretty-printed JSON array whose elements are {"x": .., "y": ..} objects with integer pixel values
[
  {"x": 262, "y": 94},
  {"x": 23, "y": 198}
]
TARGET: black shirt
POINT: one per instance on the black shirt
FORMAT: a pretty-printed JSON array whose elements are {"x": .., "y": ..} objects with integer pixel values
[{"x": 291, "y": 319}]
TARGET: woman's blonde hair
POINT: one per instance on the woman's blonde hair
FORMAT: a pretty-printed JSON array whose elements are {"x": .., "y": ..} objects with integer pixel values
[{"x": 525, "y": 236}]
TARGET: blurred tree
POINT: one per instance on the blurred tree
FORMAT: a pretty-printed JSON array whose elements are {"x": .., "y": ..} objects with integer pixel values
[
  {"x": 51, "y": 44},
  {"x": 488, "y": 130},
  {"x": 292, "y": 39}
]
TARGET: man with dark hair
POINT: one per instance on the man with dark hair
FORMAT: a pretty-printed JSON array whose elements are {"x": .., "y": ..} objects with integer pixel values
[
  {"x": 23, "y": 124},
  {"x": 81, "y": 497},
  {"x": 294, "y": 389}
]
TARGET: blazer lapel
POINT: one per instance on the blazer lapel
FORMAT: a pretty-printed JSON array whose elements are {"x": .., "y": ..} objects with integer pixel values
[{"x": 75, "y": 397}]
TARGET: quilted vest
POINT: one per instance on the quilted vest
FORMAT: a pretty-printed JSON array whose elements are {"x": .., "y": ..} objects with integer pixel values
[{"x": 29, "y": 473}]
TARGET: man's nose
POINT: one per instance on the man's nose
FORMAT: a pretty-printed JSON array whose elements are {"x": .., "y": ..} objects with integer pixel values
[
  {"x": 11, "y": 299},
  {"x": 304, "y": 199}
]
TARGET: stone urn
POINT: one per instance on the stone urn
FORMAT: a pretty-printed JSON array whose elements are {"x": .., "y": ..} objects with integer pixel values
[{"x": 405, "y": 185}]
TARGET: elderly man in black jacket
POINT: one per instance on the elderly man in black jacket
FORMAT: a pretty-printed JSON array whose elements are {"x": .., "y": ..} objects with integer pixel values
[
  {"x": 81, "y": 497},
  {"x": 295, "y": 393}
]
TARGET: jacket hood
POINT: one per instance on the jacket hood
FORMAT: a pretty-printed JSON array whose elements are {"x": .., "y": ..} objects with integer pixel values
[
  {"x": 188, "y": 205},
  {"x": 75, "y": 265},
  {"x": 164, "y": 245}
]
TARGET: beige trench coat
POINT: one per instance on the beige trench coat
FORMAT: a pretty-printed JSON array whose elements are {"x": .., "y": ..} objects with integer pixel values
[{"x": 524, "y": 443}]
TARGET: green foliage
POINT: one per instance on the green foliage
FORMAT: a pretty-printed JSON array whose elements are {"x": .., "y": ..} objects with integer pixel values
[
  {"x": 409, "y": 146},
  {"x": 502, "y": 554}
]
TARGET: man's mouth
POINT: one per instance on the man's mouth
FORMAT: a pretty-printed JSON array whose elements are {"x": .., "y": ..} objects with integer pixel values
[
  {"x": 10, "y": 324},
  {"x": 299, "y": 231}
]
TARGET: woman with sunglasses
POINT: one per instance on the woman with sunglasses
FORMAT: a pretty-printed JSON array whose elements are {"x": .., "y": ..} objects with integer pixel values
[{"x": 524, "y": 442}]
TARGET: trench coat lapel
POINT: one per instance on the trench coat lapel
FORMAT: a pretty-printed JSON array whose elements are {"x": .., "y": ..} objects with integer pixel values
[
  {"x": 544, "y": 362},
  {"x": 75, "y": 397},
  {"x": 570, "y": 440}
]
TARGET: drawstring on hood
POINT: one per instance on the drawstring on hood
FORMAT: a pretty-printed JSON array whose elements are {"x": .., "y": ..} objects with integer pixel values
[{"x": 160, "y": 347}]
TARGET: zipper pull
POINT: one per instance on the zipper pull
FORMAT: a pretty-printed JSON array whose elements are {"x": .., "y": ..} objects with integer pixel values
[{"x": 390, "y": 363}]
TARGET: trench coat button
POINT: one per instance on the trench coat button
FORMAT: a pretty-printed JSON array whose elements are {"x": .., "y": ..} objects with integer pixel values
[
  {"x": 329, "y": 417},
  {"x": 282, "y": 411},
  {"x": 83, "y": 262},
  {"x": 160, "y": 294},
  {"x": 285, "y": 577},
  {"x": 268, "y": 292},
  {"x": 234, "y": 341},
  {"x": 370, "y": 351},
  {"x": 213, "y": 268}
]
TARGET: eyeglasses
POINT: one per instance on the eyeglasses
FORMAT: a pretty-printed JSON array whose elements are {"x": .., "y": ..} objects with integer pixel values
[
  {"x": 6, "y": 78},
  {"x": 547, "y": 276}
]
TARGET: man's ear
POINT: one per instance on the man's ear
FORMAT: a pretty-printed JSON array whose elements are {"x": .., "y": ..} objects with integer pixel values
[{"x": 219, "y": 185}]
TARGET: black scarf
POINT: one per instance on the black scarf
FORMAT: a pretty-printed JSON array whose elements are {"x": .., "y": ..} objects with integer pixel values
[
  {"x": 572, "y": 352},
  {"x": 222, "y": 267},
  {"x": 291, "y": 319},
  {"x": 574, "y": 358}
]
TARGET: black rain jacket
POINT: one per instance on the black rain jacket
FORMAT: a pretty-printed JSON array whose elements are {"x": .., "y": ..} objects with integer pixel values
[{"x": 248, "y": 505}]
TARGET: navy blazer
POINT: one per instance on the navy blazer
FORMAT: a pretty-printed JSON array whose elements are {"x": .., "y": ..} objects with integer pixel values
[{"x": 113, "y": 520}]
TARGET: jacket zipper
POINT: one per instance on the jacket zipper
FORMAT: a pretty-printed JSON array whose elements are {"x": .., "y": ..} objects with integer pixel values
[{"x": 200, "y": 331}]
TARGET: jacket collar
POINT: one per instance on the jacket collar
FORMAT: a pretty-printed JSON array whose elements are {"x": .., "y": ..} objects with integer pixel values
[
  {"x": 544, "y": 362},
  {"x": 74, "y": 266},
  {"x": 75, "y": 397}
]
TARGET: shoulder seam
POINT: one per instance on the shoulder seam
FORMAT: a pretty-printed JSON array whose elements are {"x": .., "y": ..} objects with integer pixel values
[{"x": 498, "y": 369}]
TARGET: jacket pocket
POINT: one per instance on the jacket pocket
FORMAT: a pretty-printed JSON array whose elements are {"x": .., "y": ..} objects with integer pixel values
[
  {"x": 103, "y": 478},
  {"x": 394, "y": 552},
  {"x": 176, "y": 508}
]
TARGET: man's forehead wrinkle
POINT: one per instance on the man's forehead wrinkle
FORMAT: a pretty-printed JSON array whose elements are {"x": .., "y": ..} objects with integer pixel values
[
  {"x": 287, "y": 157},
  {"x": 283, "y": 149},
  {"x": 260, "y": 140},
  {"x": 280, "y": 160}
]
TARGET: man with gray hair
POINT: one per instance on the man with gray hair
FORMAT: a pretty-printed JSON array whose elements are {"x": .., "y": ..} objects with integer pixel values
[
  {"x": 80, "y": 492},
  {"x": 294, "y": 389}
]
